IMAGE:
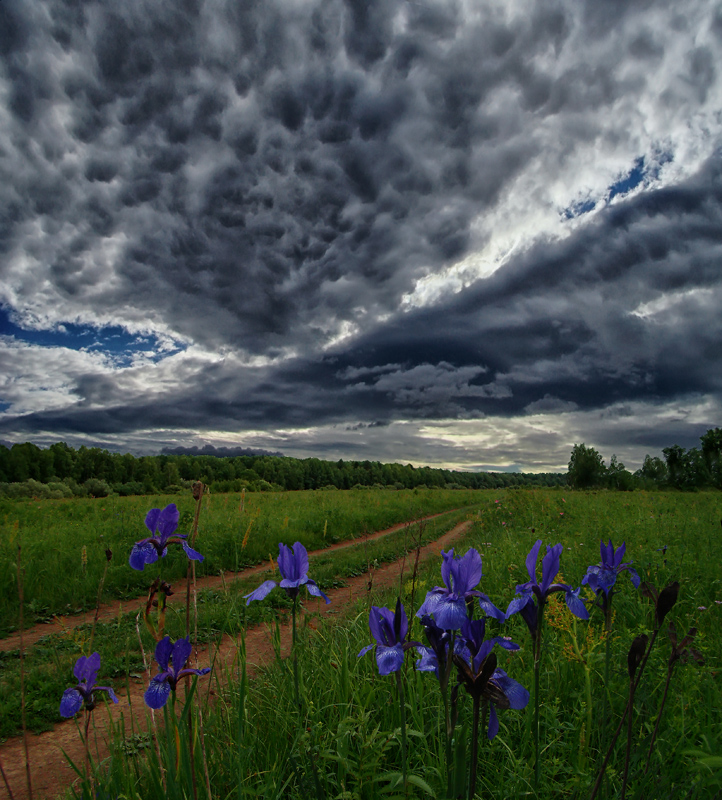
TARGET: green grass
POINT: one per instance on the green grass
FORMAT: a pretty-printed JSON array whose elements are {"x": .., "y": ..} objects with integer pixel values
[
  {"x": 347, "y": 741},
  {"x": 54, "y": 534},
  {"x": 48, "y": 665}
]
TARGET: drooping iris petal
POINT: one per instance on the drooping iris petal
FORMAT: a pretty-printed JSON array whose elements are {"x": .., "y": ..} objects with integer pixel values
[
  {"x": 447, "y": 609},
  {"x": 389, "y": 659},
  {"x": 157, "y": 693},
  {"x": 70, "y": 703},
  {"x": 428, "y": 662},
  {"x": 575, "y": 603},
  {"x": 490, "y": 609},
  {"x": 493, "y": 722},
  {"x": 516, "y": 694},
  {"x": 141, "y": 554},
  {"x": 194, "y": 555},
  {"x": 110, "y": 692},
  {"x": 313, "y": 589},
  {"x": 263, "y": 591}
]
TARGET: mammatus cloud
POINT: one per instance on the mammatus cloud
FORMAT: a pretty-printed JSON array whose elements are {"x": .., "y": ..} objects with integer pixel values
[{"x": 326, "y": 215}]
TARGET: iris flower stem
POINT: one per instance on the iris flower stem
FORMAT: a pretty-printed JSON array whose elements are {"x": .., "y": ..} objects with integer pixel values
[
  {"x": 294, "y": 657},
  {"x": 476, "y": 719},
  {"x": 402, "y": 705},
  {"x": 86, "y": 742},
  {"x": 659, "y": 717},
  {"x": 628, "y": 753},
  {"x": 537, "y": 669}
]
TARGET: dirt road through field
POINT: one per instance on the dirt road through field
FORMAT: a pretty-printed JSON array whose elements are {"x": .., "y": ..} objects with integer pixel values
[{"x": 50, "y": 772}]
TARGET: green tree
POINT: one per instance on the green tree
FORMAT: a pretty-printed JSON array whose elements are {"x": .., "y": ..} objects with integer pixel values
[{"x": 586, "y": 467}]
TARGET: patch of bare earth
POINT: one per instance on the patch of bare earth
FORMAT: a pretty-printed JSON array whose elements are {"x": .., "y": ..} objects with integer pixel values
[{"x": 50, "y": 773}]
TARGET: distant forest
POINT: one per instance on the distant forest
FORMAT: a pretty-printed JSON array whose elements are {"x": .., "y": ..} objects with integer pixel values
[
  {"x": 60, "y": 471},
  {"x": 27, "y": 470}
]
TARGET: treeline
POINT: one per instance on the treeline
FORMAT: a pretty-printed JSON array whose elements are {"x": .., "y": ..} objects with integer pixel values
[
  {"x": 60, "y": 471},
  {"x": 688, "y": 470}
]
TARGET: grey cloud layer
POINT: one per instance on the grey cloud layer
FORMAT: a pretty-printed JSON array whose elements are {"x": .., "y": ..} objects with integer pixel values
[{"x": 260, "y": 177}]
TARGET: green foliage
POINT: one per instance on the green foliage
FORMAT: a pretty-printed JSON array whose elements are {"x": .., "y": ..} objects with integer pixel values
[
  {"x": 348, "y": 739},
  {"x": 586, "y": 468}
]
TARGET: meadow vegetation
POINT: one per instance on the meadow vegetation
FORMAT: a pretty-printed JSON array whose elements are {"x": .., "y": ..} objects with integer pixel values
[{"x": 346, "y": 737}]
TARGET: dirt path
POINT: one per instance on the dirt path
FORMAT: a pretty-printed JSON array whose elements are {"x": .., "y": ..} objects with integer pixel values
[
  {"x": 109, "y": 611},
  {"x": 50, "y": 773}
]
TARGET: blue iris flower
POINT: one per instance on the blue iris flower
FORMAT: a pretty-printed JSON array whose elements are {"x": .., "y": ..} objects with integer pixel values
[
  {"x": 85, "y": 670},
  {"x": 389, "y": 628},
  {"x": 532, "y": 591},
  {"x": 171, "y": 659},
  {"x": 481, "y": 677},
  {"x": 162, "y": 524},
  {"x": 602, "y": 577},
  {"x": 293, "y": 566},
  {"x": 447, "y": 604}
]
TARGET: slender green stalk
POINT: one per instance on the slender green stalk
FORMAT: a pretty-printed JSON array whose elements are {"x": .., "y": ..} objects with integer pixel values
[
  {"x": 294, "y": 657},
  {"x": 537, "y": 669},
  {"x": 402, "y": 705},
  {"x": 628, "y": 752},
  {"x": 474, "y": 759},
  {"x": 659, "y": 718}
]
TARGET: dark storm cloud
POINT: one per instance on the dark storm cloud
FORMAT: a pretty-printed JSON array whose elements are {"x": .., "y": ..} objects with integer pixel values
[
  {"x": 268, "y": 168},
  {"x": 275, "y": 180}
]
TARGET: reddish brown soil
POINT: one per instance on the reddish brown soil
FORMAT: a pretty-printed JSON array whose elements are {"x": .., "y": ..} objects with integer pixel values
[{"x": 50, "y": 772}]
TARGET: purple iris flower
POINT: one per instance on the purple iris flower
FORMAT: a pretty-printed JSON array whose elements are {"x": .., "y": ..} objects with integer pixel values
[
  {"x": 479, "y": 674},
  {"x": 389, "y": 628},
  {"x": 171, "y": 659},
  {"x": 85, "y": 670},
  {"x": 447, "y": 604},
  {"x": 531, "y": 589},
  {"x": 162, "y": 524},
  {"x": 602, "y": 577},
  {"x": 293, "y": 566}
]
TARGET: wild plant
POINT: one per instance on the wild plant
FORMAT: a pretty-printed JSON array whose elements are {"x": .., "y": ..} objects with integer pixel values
[
  {"x": 389, "y": 629},
  {"x": 531, "y": 604}
]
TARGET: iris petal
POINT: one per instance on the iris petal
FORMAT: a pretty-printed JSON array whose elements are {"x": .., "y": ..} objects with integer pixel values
[
  {"x": 156, "y": 695},
  {"x": 70, "y": 703},
  {"x": 263, "y": 591}
]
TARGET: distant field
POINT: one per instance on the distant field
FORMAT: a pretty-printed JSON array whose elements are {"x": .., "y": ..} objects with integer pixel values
[{"x": 58, "y": 536}]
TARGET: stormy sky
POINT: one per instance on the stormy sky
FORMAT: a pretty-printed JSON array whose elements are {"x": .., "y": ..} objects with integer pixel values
[{"x": 452, "y": 232}]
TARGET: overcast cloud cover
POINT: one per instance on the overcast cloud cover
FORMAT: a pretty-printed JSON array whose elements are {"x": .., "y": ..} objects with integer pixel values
[{"x": 465, "y": 233}]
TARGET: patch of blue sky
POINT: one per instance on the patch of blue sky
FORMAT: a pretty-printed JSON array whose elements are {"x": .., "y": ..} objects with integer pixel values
[
  {"x": 4, "y": 406},
  {"x": 644, "y": 171},
  {"x": 113, "y": 341}
]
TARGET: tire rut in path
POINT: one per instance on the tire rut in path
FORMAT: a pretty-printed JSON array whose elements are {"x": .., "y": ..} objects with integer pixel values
[
  {"x": 110, "y": 611},
  {"x": 50, "y": 773}
]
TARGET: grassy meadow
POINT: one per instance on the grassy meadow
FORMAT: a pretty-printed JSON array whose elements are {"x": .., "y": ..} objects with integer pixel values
[{"x": 346, "y": 739}]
